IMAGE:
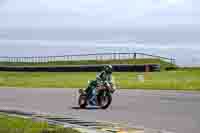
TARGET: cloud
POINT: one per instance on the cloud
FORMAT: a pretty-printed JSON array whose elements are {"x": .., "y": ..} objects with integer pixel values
[
  {"x": 95, "y": 13},
  {"x": 89, "y": 7}
]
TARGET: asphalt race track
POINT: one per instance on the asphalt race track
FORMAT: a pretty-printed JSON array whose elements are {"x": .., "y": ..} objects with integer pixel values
[{"x": 168, "y": 110}]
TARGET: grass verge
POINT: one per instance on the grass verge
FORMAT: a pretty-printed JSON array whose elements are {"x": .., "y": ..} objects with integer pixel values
[
  {"x": 12, "y": 124},
  {"x": 174, "y": 80}
]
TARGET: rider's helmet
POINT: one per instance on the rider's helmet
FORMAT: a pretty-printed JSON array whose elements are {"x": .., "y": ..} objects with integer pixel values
[{"x": 108, "y": 69}]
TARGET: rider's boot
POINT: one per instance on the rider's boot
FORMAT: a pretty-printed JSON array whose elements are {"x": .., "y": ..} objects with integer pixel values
[{"x": 93, "y": 97}]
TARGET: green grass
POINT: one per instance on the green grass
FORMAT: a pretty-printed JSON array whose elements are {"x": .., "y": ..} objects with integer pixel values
[
  {"x": 13, "y": 124},
  {"x": 176, "y": 80},
  {"x": 93, "y": 62}
]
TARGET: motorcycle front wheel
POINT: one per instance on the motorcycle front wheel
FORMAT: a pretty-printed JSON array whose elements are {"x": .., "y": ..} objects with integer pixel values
[{"x": 104, "y": 101}]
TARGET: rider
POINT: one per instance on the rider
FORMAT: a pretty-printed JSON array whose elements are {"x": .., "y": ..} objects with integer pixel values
[{"x": 103, "y": 77}]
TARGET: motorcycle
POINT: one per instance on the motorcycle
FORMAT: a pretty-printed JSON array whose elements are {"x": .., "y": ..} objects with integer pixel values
[{"x": 101, "y": 96}]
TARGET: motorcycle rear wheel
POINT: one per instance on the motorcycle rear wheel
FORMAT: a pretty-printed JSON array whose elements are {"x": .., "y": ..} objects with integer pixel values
[{"x": 82, "y": 101}]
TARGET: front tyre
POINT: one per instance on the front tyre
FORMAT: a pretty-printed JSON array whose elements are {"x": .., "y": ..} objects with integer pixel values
[
  {"x": 105, "y": 101},
  {"x": 82, "y": 101}
]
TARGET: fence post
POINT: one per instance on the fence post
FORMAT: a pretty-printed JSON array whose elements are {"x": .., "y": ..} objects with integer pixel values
[
  {"x": 36, "y": 59},
  {"x": 42, "y": 59},
  {"x": 172, "y": 61},
  {"x": 135, "y": 56},
  {"x": 33, "y": 59},
  {"x": 111, "y": 56},
  {"x": 100, "y": 57}
]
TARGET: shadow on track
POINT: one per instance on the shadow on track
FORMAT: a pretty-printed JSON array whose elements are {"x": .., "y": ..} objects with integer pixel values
[{"x": 87, "y": 108}]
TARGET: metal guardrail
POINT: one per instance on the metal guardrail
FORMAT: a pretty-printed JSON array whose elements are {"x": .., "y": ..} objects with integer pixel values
[{"x": 77, "y": 57}]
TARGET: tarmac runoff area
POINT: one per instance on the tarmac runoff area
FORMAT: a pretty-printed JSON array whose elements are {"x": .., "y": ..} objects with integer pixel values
[{"x": 132, "y": 111}]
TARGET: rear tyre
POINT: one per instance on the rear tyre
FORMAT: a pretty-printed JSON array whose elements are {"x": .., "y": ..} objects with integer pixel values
[{"x": 82, "y": 101}]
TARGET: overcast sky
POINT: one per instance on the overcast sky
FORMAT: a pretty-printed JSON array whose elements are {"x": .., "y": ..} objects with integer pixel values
[
  {"x": 149, "y": 23},
  {"x": 99, "y": 13}
]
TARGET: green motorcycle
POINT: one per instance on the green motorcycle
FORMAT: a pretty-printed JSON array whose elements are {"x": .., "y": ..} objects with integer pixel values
[{"x": 102, "y": 96}]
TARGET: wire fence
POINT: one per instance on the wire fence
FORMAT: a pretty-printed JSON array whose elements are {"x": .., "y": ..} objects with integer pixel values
[{"x": 78, "y": 57}]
